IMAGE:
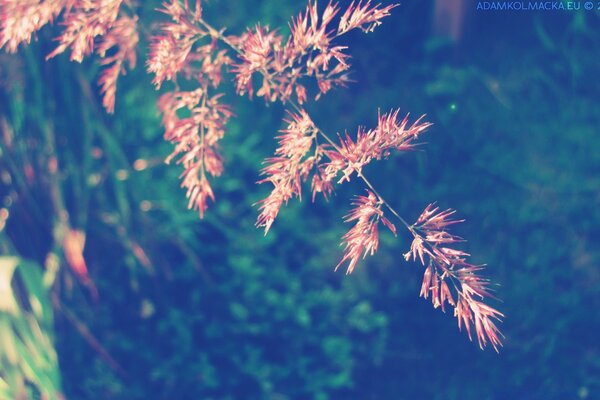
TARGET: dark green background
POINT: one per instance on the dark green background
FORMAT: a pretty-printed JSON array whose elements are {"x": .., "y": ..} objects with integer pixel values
[{"x": 514, "y": 148}]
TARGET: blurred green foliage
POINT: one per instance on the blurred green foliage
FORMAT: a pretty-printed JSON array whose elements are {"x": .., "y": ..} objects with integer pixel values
[
  {"x": 27, "y": 354},
  {"x": 211, "y": 309}
]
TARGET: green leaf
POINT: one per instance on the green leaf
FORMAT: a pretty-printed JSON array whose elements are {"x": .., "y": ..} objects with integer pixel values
[
  {"x": 7, "y": 299},
  {"x": 27, "y": 351}
]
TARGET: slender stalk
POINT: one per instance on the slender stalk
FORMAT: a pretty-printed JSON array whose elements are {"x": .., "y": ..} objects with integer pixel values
[
  {"x": 91, "y": 340},
  {"x": 203, "y": 149}
]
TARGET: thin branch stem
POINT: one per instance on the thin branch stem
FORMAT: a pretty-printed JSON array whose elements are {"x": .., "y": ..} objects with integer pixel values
[
  {"x": 91, "y": 340},
  {"x": 202, "y": 141}
]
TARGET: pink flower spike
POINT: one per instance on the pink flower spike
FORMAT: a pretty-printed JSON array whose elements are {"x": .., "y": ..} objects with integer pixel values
[
  {"x": 431, "y": 243},
  {"x": 291, "y": 166},
  {"x": 22, "y": 19},
  {"x": 83, "y": 23},
  {"x": 363, "y": 16},
  {"x": 124, "y": 37},
  {"x": 373, "y": 144},
  {"x": 363, "y": 238}
]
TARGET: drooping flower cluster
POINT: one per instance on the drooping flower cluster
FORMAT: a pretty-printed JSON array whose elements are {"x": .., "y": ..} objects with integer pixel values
[
  {"x": 196, "y": 140},
  {"x": 84, "y": 21},
  {"x": 170, "y": 50},
  {"x": 448, "y": 267},
  {"x": 187, "y": 48},
  {"x": 363, "y": 238},
  {"x": 363, "y": 16},
  {"x": 286, "y": 171},
  {"x": 292, "y": 165},
  {"x": 194, "y": 120},
  {"x": 122, "y": 41},
  {"x": 21, "y": 19},
  {"x": 390, "y": 134},
  {"x": 286, "y": 66}
]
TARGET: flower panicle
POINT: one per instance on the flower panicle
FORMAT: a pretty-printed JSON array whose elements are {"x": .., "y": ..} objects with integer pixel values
[
  {"x": 292, "y": 165},
  {"x": 83, "y": 23},
  {"x": 87, "y": 27},
  {"x": 363, "y": 238},
  {"x": 123, "y": 37},
  {"x": 434, "y": 220},
  {"x": 182, "y": 12},
  {"x": 169, "y": 52},
  {"x": 447, "y": 271},
  {"x": 194, "y": 120},
  {"x": 178, "y": 50},
  {"x": 21, "y": 19},
  {"x": 471, "y": 312},
  {"x": 391, "y": 133},
  {"x": 310, "y": 31},
  {"x": 196, "y": 140},
  {"x": 307, "y": 55},
  {"x": 283, "y": 66},
  {"x": 198, "y": 188},
  {"x": 363, "y": 16}
]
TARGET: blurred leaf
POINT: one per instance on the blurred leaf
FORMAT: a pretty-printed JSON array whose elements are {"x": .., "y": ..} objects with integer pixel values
[
  {"x": 7, "y": 299},
  {"x": 27, "y": 352}
]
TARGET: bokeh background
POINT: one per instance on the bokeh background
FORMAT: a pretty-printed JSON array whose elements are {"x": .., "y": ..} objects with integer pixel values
[{"x": 212, "y": 309}]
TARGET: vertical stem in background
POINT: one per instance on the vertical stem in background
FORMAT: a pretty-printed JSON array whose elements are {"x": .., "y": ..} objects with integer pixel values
[{"x": 50, "y": 159}]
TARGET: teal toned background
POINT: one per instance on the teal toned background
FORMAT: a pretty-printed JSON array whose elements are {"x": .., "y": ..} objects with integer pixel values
[{"x": 222, "y": 312}]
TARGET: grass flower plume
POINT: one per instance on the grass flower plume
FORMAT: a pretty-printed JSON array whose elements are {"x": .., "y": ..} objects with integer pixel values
[{"x": 190, "y": 61}]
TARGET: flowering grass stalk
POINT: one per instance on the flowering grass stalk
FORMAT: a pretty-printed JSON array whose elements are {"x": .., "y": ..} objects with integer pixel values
[{"x": 186, "y": 51}]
